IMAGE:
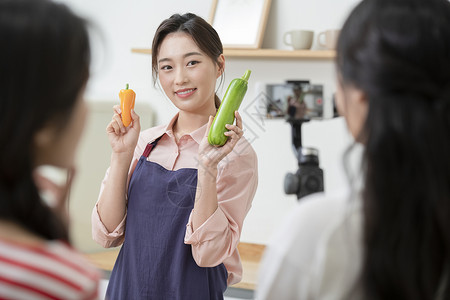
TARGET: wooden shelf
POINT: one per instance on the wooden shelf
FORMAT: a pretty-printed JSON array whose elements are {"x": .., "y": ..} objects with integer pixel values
[{"x": 267, "y": 53}]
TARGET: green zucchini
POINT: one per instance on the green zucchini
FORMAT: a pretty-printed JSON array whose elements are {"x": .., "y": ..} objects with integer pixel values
[{"x": 225, "y": 115}]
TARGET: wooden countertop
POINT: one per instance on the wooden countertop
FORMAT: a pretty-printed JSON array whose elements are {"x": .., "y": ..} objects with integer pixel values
[{"x": 251, "y": 255}]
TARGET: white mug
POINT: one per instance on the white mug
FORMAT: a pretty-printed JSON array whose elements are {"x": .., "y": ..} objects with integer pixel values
[
  {"x": 299, "y": 39},
  {"x": 328, "y": 39}
]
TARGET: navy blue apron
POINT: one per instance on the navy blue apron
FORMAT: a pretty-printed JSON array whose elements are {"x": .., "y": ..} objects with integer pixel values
[{"x": 154, "y": 262}]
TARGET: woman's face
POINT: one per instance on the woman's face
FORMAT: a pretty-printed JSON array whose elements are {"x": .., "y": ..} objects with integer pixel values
[
  {"x": 57, "y": 146},
  {"x": 352, "y": 104},
  {"x": 187, "y": 75}
]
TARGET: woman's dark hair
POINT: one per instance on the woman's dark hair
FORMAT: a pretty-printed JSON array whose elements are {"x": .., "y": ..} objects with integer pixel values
[
  {"x": 43, "y": 67},
  {"x": 201, "y": 32},
  {"x": 398, "y": 53}
]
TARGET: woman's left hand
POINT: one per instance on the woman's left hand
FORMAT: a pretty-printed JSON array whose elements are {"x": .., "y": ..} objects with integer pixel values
[{"x": 209, "y": 156}]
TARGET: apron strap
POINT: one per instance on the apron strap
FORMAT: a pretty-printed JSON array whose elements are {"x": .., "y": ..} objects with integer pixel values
[{"x": 150, "y": 147}]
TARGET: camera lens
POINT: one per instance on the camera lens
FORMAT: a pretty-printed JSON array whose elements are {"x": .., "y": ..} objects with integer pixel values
[
  {"x": 312, "y": 184},
  {"x": 291, "y": 184}
]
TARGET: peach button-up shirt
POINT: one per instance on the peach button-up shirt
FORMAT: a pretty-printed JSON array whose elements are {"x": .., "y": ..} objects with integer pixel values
[{"x": 216, "y": 240}]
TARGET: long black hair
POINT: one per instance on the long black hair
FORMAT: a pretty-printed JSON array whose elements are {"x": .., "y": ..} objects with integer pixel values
[
  {"x": 44, "y": 64},
  {"x": 398, "y": 53},
  {"x": 204, "y": 35}
]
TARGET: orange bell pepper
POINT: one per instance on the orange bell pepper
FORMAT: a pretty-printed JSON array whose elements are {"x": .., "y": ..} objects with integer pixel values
[{"x": 127, "y": 97}]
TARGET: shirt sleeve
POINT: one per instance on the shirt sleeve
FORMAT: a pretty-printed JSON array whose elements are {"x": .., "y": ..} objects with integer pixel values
[
  {"x": 102, "y": 236},
  {"x": 100, "y": 233},
  {"x": 217, "y": 238}
]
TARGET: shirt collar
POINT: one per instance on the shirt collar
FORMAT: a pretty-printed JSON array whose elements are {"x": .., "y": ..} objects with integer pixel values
[{"x": 197, "y": 135}]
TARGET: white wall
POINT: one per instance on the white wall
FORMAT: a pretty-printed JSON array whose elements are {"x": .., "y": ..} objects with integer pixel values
[{"x": 121, "y": 25}]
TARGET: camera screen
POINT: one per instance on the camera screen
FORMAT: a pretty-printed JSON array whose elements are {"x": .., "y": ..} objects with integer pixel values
[{"x": 295, "y": 101}]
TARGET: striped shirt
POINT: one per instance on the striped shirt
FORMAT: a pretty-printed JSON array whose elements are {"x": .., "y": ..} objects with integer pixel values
[{"x": 51, "y": 270}]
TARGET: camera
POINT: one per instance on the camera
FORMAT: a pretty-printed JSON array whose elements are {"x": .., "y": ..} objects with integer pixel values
[
  {"x": 298, "y": 101},
  {"x": 303, "y": 102},
  {"x": 309, "y": 177}
]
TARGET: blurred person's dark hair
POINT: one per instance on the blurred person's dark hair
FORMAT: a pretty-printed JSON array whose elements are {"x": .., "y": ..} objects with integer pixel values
[
  {"x": 398, "y": 53},
  {"x": 44, "y": 66}
]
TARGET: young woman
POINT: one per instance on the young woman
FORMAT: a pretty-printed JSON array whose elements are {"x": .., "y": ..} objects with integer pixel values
[
  {"x": 392, "y": 239},
  {"x": 44, "y": 68},
  {"x": 181, "y": 200}
]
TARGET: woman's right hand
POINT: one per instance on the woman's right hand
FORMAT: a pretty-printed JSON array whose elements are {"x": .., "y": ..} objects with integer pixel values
[{"x": 123, "y": 139}]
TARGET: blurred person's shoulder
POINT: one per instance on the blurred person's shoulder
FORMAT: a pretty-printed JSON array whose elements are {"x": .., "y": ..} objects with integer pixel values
[
  {"x": 36, "y": 265},
  {"x": 317, "y": 216},
  {"x": 321, "y": 236}
]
